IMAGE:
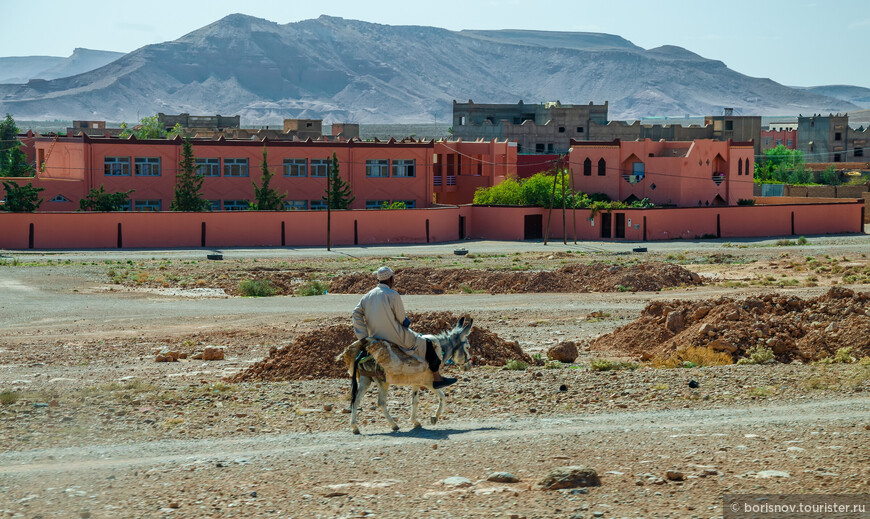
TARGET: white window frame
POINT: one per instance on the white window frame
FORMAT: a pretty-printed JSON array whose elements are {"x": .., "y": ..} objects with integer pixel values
[
  {"x": 147, "y": 166},
  {"x": 235, "y": 167},
  {"x": 405, "y": 168},
  {"x": 295, "y": 167},
  {"x": 116, "y": 166},
  {"x": 377, "y": 168},
  {"x": 208, "y": 167}
]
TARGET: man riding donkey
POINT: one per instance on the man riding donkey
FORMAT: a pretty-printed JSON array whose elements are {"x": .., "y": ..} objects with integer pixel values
[{"x": 380, "y": 314}]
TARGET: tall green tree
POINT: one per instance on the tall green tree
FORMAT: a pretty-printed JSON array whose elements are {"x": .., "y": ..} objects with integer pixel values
[
  {"x": 21, "y": 199},
  {"x": 338, "y": 194},
  {"x": 188, "y": 185},
  {"x": 13, "y": 161},
  {"x": 267, "y": 198},
  {"x": 103, "y": 201}
]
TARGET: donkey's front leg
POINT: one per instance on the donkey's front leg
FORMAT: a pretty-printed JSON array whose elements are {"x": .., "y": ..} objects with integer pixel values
[
  {"x": 382, "y": 403},
  {"x": 415, "y": 400},
  {"x": 441, "y": 401},
  {"x": 364, "y": 382}
]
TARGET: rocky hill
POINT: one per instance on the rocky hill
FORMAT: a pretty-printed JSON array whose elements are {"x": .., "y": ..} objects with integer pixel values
[
  {"x": 21, "y": 69},
  {"x": 352, "y": 71}
]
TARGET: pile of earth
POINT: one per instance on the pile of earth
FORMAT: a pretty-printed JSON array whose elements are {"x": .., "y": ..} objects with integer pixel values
[
  {"x": 794, "y": 328},
  {"x": 595, "y": 277},
  {"x": 312, "y": 355}
]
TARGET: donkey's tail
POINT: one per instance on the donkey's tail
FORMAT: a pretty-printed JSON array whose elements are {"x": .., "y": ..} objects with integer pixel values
[{"x": 353, "y": 384}]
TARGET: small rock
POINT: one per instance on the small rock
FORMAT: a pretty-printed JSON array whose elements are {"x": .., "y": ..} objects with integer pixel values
[
  {"x": 327, "y": 408},
  {"x": 174, "y": 505},
  {"x": 457, "y": 482},
  {"x": 706, "y": 327},
  {"x": 694, "y": 384},
  {"x": 773, "y": 474},
  {"x": 722, "y": 345},
  {"x": 563, "y": 352},
  {"x": 563, "y": 388},
  {"x": 502, "y": 477},
  {"x": 213, "y": 353},
  {"x": 675, "y": 475},
  {"x": 570, "y": 477}
]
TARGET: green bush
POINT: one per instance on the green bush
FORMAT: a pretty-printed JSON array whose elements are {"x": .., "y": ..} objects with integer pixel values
[
  {"x": 611, "y": 365},
  {"x": 8, "y": 397},
  {"x": 802, "y": 241},
  {"x": 312, "y": 288},
  {"x": 757, "y": 354},
  {"x": 516, "y": 365},
  {"x": 745, "y": 201},
  {"x": 843, "y": 356},
  {"x": 256, "y": 288}
]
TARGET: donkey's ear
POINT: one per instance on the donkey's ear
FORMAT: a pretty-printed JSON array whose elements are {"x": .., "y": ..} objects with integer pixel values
[
  {"x": 461, "y": 322},
  {"x": 467, "y": 327}
]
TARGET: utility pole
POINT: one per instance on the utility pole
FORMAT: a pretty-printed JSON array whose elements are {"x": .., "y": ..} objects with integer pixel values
[{"x": 328, "y": 207}]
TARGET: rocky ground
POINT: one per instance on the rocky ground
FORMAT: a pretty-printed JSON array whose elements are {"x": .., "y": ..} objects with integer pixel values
[{"x": 93, "y": 427}]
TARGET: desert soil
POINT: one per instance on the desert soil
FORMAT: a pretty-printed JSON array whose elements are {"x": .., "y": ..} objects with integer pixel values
[{"x": 93, "y": 427}]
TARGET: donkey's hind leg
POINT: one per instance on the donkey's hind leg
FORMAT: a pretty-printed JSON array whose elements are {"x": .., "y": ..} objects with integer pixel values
[
  {"x": 383, "y": 388},
  {"x": 364, "y": 382},
  {"x": 441, "y": 400},
  {"x": 415, "y": 401}
]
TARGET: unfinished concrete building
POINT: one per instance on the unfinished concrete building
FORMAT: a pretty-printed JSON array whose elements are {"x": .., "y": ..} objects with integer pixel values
[
  {"x": 536, "y": 128},
  {"x": 204, "y": 122}
]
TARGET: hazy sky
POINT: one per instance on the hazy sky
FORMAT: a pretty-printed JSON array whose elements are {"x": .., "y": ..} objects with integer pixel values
[{"x": 795, "y": 42}]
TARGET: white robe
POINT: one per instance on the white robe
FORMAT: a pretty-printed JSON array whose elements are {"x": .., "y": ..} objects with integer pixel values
[{"x": 380, "y": 315}]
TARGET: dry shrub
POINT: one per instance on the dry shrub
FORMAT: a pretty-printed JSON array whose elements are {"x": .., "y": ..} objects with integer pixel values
[{"x": 691, "y": 357}]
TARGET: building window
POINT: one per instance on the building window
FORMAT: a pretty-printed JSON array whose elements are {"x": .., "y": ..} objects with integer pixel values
[
  {"x": 319, "y": 168},
  {"x": 461, "y": 120},
  {"x": 587, "y": 167},
  {"x": 561, "y": 129},
  {"x": 376, "y": 204},
  {"x": 147, "y": 166},
  {"x": 748, "y": 166},
  {"x": 837, "y": 157},
  {"x": 146, "y": 205},
  {"x": 318, "y": 205},
  {"x": 602, "y": 167},
  {"x": 539, "y": 148},
  {"x": 403, "y": 168},
  {"x": 859, "y": 152},
  {"x": 214, "y": 205},
  {"x": 296, "y": 205},
  {"x": 235, "y": 168},
  {"x": 779, "y": 142},
  {"x": 739, "y": 166},
  {"x": 838, "y": 136},
  {"x": 117, "y": 166},
  {"x": 637, "y": 170},
  {"x": 235, "y": 205},
  {"x": 409, "y": 204},
  {"x": 295, "y": 168},
  {"x": 377, "y": 168},
  {"x": 729, "y": 126},
  {"x": 789, "y": 143},
  {"x": 208, "y": 167},
  {"x": 59, "y": 198},
  {"x": 550, "y": 148},
  {"x": 579, "y": 129}
]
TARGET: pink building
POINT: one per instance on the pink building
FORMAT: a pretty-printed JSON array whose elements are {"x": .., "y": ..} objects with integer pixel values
[
  {"x": 414, "y": 172},
  {"x": 699, "y": 173},
  {"x": 776, "y": 137}
]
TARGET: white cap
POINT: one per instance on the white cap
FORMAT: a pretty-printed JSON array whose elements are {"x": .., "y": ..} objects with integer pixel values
[{"x": 383, "y": 273}]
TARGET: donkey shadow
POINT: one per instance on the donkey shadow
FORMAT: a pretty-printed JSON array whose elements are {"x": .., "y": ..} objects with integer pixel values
[{"x": 431, "y": 434}]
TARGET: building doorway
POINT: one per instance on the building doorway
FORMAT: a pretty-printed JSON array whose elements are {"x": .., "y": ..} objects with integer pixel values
[
  {"x": 620, "y": 225},
  {"x": 605, "y": 225},
  {"x": 533, "y": 227}
]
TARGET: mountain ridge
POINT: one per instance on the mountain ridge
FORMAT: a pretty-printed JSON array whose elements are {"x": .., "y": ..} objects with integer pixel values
[{"x": 354, "y": 71}]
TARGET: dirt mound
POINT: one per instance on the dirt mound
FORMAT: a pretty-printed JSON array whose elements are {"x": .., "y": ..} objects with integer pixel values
[
  {"x": 312, "y": 355},
  {"x": 596, "y": 277},
  {"x": 794, "y": 328}
]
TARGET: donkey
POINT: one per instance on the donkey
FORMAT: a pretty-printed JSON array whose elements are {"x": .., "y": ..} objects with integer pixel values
[{"x": 455, "y": 350}]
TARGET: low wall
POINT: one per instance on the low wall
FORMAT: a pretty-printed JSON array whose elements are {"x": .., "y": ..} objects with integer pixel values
[
  {"x": 360, "y": 227},
  {"x": 866, "y": 207}
]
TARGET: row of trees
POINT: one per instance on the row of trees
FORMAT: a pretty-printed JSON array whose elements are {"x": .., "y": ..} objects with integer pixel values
[
  {"x": 787, "y": 166},
  {"x": 188, "y": 191}
]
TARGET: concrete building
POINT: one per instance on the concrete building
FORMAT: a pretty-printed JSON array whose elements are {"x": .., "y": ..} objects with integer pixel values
[
  {"x": 823, "y": 138},
  {"x": 536, "y": 128},
  {"x": 700, "y": 173},
  {"x": 205, "y": 122},
  {"x": 415, "y": 172}
]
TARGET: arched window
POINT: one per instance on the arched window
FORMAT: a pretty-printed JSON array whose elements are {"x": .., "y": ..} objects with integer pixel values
[
  {"x": 740, "y": 166},
  {"x": 602, "y": 167},
  {"x": 587, "y": 167}
]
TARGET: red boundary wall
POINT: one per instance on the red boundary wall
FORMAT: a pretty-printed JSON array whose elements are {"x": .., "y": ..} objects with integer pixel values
[{"x": 361, "y": 227}]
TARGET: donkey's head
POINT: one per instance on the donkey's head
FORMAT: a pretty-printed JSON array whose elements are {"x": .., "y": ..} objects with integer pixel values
[{"x": 458, "y": 350}]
